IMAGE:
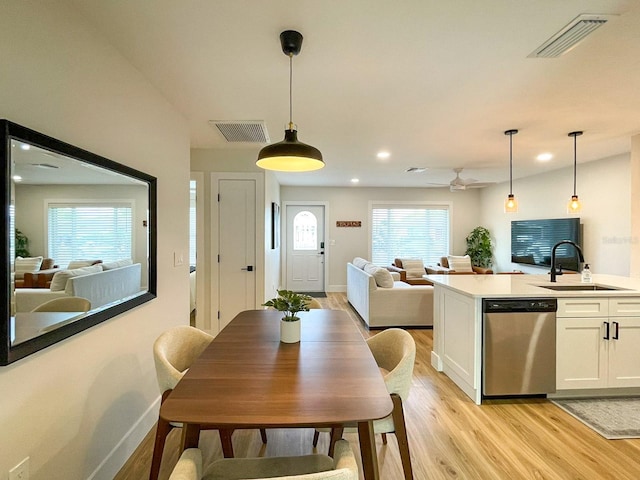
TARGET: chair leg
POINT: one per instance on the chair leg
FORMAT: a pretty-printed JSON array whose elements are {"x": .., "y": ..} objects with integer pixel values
[
  {"x": 401, "y": 436},
  {"x": 263, "y": 435},
  {"x": 225, "y": 441},
  {"x": 384, "y": 438},
  {"x": 316, "y": 435}
]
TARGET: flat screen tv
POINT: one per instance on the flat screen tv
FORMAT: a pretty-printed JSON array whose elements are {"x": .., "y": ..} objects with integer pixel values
[{"x": 532, "y": 241}]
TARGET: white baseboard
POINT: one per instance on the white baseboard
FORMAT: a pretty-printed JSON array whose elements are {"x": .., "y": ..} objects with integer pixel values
[
  {"x": 117, "y": 457},
  {"x": 336, "y": 288}
]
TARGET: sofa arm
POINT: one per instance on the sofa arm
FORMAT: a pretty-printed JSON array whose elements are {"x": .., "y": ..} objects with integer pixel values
[
  {"x": 437, "y": 270},
  {"x": 40, "y": 279}
]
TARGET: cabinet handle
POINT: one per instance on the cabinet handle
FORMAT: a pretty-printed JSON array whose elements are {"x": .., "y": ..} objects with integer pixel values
[
  {"x": 606, "y": 331},
  {"x": 616, "y": 331}
]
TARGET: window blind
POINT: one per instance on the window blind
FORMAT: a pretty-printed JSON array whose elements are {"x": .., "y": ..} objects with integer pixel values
[
  {"x": 409, "y": 231},
  {"x": 90, "y": 231}
]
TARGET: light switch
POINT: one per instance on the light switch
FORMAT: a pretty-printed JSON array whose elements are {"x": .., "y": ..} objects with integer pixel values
[{"x": 178, "y": 259}]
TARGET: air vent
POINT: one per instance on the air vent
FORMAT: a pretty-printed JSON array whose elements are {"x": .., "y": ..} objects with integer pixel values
[
  {"x": 248, "y": 131},
  {"x": 415, "y": 170},
  {"x": 570, "y": 36},
  {"x": 44, "y": 165}
]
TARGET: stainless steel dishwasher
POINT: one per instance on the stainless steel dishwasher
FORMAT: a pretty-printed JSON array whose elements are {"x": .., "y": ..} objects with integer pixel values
[{"x": 519, "y": 346}]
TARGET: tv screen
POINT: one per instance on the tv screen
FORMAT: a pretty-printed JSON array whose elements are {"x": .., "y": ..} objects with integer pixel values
[{"x": 532, "y": 241}]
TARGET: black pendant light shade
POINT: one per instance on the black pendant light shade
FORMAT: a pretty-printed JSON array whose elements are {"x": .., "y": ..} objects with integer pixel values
[
  {"x": 290, "y": 155},
  {"x": 511, "y": 204},
  {"x": 574, "y": 205}
]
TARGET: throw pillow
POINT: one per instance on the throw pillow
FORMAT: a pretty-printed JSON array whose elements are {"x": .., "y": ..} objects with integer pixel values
[
  {"x": 118, "y": 264},
  {"x": 59, "y": 280},
  {"x": 414, "y": 267},
  {"x": 359, "y": 262},
  {"x": 460, "y": 263},
  {"x": 382, "y": 276},
  {"x": 26, "y": 264}
]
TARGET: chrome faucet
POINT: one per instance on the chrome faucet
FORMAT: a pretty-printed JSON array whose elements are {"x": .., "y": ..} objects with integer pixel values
[{"x": 553, "y": 256}]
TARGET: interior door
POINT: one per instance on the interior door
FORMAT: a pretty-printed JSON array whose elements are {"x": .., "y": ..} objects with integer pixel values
[
  {"x": 237, "y": 248},
  {"x": 305, "y": 248}
]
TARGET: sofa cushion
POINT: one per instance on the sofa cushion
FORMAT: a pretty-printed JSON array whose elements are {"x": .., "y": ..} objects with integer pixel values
[
  {"x": 360, "y": 262},
  {"x": 382, "y": 276},
  {"x": 460, "y": 263},
  {"x": 26, "y": 264},
  {"x": 118, "y": 264},
  {"x": 73, "y": 264},
  {"x": 59, "y": 280},
  {"x": 414, "y": 267}
]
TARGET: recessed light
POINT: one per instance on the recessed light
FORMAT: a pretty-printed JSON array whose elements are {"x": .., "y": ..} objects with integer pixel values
[
  {"x": 24, "y": 146},
  {"x": 544, "y": 157},
  {"x": 355, "y": 180},
  {"x": 17, "y": 178},
  {"x": 382, "y": 155}
]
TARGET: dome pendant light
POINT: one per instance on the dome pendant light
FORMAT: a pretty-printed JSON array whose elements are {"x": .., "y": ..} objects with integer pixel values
[
  {"x": 290, "y": 155},
  {"x": 511, "y": 204},
  {"x": 574, "y": 205}
]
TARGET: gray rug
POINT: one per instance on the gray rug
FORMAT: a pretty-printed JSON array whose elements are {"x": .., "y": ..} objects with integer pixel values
[{"x": 613, "y": 418}]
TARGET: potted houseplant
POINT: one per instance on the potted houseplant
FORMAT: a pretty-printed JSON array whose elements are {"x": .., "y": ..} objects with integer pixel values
[
  {"x": 22, "y": 244},
  {"x": 479, "y": 247},
  {"x": 290, "y": 303}
]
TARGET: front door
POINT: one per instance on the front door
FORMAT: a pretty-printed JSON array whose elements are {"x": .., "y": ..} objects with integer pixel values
[
  {"x": 305, "y": 248},
  {"x": 237, "y": 248}
]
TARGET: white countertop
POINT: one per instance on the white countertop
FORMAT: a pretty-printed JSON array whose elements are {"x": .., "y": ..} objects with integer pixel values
[{"x": 505, "y": 285}]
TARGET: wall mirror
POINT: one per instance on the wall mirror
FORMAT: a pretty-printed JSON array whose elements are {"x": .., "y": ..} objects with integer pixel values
[{"x": 79, "y": 240}]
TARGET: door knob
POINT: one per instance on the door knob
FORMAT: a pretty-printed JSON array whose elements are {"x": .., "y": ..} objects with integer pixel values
[{"x": 248, "y": 268}]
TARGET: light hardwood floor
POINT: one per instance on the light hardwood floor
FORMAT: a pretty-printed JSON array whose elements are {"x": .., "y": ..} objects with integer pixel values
[{"x": 449, "y": 436}]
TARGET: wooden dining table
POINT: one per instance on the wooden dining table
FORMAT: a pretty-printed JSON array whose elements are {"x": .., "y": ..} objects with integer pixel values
[{"x": 247, "y": 378}]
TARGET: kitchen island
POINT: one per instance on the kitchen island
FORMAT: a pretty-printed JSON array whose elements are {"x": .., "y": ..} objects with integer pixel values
[{"x": 597, "y": 330}]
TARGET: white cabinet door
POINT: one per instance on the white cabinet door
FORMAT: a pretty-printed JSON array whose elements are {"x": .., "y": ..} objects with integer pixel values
[
  {"x": 624, "y": 358},
  {"x": 581, "y": 359},
  {"x": 458, "y": 316}
]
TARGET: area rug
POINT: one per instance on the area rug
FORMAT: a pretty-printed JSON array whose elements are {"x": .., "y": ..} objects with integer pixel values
[
  {"x": 613, "y": 418},
  {"x": 315, "y": 294}
]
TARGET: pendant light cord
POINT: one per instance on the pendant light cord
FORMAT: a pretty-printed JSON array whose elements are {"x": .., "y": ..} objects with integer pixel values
[
  {"x": 511, "y": 163},
  {"x": 575, "y": 163},
  {"x": 290, "y": 92}
]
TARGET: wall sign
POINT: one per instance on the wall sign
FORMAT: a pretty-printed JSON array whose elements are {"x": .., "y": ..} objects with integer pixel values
[{"x": 348, "y": 223}]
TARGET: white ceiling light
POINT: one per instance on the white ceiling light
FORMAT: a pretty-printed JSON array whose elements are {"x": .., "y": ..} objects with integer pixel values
[
  {"x": 355, "y": 180},
  {"x": 382, "y": 155},
  {"x": 569, "y": 36},
  {"x": 544, "y": 157}
]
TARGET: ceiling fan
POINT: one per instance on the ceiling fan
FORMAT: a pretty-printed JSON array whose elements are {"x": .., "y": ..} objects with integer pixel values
[{"x": 459, "y": 183}]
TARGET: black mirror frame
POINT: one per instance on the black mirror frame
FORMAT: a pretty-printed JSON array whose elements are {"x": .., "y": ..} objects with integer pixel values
[{"x": 9, "y": 131}]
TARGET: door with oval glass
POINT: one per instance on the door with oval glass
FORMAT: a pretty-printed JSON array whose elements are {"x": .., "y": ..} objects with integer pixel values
[{"x": 305, "y": 248}]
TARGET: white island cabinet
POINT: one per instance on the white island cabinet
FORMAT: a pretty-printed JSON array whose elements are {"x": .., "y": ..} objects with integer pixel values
[{"x": 586, "y": 361}]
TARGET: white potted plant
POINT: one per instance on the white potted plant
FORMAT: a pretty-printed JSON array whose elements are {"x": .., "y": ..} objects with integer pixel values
[{"x": 290, "y": 303}]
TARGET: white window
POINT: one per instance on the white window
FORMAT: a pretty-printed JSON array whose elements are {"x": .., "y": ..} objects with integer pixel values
[
  {"x": 83, "y": 231},
  {"x": 192, "y": 223},
  {"x": 409, "y": 231},
  {"x": 305, "y": 231}
]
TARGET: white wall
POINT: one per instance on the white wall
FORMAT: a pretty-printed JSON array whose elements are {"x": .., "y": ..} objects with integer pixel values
[
  {"x": 604, "y": 188},
  {"x": 352, "y": 203},
  {"x": 79, "y": 408}
]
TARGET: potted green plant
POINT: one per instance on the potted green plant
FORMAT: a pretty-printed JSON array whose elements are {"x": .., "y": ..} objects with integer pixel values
[
  {"x": 22, "y": 244},
  {"x": 479, "y": 247},
  {"x": 290, "y": 303}
]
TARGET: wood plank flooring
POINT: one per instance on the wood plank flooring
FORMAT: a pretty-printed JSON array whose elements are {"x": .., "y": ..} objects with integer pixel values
[{"x": 449, "y": 436}]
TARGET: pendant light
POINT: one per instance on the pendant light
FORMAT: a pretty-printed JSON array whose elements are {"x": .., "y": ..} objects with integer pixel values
[
  {"x": 511, "y": 204},
  {"x": 290, "y": 155},
  {"x": 574, "y": 205}
]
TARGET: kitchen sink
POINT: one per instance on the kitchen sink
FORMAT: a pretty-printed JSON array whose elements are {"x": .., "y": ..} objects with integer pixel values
[{"x": 582, "y": 287}]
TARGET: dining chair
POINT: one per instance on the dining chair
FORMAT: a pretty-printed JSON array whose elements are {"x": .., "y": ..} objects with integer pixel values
[
  {"x": 64, "y": 304},
  {"x": 394, "y": 351},
  {"x": 306, "y": 467},
  {"x": 173, "y": 352}
]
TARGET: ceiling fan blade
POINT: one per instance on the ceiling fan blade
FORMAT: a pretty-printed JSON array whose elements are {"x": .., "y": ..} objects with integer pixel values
[{"x": 480, "y": 184}]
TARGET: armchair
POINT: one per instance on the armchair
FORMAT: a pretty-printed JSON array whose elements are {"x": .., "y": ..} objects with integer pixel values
[
  {"x": 40, "y": 278},
  {"x": 411, "y": 271},
  {"x": 457, "y": 265}
]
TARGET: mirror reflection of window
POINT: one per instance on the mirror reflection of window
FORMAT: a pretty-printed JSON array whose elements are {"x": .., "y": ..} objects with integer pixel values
[{"x": 305, "y": 231}]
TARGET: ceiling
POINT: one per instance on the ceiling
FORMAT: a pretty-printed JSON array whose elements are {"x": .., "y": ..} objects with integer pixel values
[{"x": 436, "y": 83}]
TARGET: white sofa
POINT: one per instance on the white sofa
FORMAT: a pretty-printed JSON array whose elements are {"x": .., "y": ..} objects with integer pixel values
[
  {"x": 99, "y": 288},
  {"x": 402, "y": 305}
]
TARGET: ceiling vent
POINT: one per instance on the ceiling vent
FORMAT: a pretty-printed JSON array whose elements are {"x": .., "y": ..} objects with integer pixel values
[
  {"x": 415, "y": 170},
  {"x": 570, "y": 36},
  {"x": 247, "y": 131}
]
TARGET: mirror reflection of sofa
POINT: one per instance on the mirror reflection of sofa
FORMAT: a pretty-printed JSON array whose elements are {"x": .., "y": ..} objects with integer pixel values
[{"x": 101, "y": 284}]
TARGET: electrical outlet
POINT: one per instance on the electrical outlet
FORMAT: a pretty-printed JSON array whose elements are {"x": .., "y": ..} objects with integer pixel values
[{"x": 20, "y": 471}]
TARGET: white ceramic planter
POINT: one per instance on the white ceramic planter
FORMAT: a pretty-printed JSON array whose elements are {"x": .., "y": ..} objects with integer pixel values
[{"x": 289, "y": 331}]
